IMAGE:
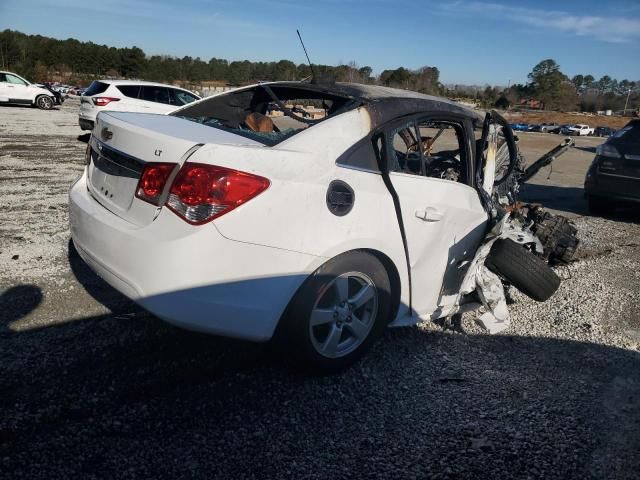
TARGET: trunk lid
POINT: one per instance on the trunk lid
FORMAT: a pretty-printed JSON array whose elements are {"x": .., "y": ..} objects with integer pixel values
[{"x": 124, "y": 143}]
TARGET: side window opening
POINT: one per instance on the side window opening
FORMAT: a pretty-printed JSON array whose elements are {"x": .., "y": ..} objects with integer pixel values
[
  {"x": 180, "y": 98},
  {"x": 155, "y": 94},
  {"x": 405, "y": 152},
  {"x": 15, "y": 80},
  {"x": 443, "y": 150},
  {"x": 429, "y": 148},
  {"x": 131, "y": 91}
]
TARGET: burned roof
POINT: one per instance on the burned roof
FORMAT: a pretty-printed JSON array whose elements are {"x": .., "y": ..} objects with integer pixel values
[
  {"x": 229, "y": 110},
  {"x": 387, "y": 103}
]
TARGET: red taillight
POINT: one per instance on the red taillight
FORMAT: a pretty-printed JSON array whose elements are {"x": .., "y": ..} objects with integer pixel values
[
  {"x": 152, "y": 182},
  {"x": 102, "y": 101},
  {"x": 201, "y": 192}
]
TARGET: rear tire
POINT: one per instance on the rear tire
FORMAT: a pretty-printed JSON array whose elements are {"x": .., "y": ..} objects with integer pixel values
[
  {"x": 44, "y": 102},
  {"x": 522, "y": 269},
  {"x": 338, "y": 312}
]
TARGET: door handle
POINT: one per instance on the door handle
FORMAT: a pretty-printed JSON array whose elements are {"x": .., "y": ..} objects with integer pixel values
[{"x": 429, "y": 214}]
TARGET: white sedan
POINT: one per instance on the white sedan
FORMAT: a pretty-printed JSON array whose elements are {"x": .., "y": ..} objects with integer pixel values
[{"x": 222, "y": 219}]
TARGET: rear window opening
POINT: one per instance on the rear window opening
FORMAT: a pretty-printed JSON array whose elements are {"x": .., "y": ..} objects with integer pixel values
[
  {"x": 96, "y": 88},
  {"x": 268, "y": 114}
]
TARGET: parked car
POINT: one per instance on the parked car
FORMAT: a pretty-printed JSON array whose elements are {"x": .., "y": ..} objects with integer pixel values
[
  {"x": 218, "y": 218},
  {"x": 562, "y": 129},
  {"x": 58, "y": 96},
  {"x": 17, "y": 90},
  {"x": 130, "y": 96},
  {"x": 579, "y": 130},
  {"x": 614, "y": 174},
  {"x": 520, "y": 127},
  {"x": 547, "y": 127},
  {"x": 603, "y": 132}
]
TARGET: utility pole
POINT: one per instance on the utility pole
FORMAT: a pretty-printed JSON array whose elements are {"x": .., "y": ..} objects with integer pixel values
[{"x": 626, "y": 103}]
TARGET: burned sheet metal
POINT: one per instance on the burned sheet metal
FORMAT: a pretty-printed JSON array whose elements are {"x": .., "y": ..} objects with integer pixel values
[
  {"x": 488, "y": 286},
  {"x": 551, "y": 237}
]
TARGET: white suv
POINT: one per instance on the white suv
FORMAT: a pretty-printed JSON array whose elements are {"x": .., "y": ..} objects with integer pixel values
[
  {"x": 15, "y": 89},
  {"x": 130, "y": 96}
]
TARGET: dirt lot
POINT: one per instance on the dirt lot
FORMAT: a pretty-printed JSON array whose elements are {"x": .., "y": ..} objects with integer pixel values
[
  {"x": 93, "y": 387},
  {"x": 563, "y": 118}
]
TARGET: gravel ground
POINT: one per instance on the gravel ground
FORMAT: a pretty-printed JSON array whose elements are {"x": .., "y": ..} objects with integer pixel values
[{"x": 93, "y": 387}]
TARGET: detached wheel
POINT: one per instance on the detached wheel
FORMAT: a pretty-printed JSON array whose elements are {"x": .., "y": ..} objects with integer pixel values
[
  {"x": 44, "y": 102},
  {"x": 338, "y": 312},
  {"x": 522, "y": 269}
]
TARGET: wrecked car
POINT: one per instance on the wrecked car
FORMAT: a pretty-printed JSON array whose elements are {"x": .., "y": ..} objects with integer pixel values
[
  {"x": 394, "y": 207},
  {"x": 614, "y": 175}
]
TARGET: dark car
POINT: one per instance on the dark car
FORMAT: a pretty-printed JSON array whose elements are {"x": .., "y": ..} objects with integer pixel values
[
  {"x": 58, "y": 96},
  {"x": 560, "y": 128},
  {"x": 614, "y": 175},
  {"x": 603, "y": 132},
  {"x": 520, "y": 127}
]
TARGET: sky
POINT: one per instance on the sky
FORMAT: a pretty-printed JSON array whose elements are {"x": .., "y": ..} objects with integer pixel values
[{"x": 471, "y": 42}]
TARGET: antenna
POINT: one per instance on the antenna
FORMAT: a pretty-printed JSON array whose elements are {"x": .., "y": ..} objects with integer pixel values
[{"x": 313, "y": 72}]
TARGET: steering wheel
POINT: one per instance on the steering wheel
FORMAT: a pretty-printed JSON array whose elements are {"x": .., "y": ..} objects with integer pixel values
[{"x": 427, "y": 145}]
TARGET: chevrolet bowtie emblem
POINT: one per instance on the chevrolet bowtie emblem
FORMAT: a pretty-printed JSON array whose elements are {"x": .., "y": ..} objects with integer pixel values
[{"x": 106, "y": 134}]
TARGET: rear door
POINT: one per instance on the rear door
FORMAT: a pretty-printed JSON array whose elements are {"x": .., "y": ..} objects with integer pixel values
[
  {"x": 155, "y": 99},
  {"x": 431, "y": 165},
  {"x": 17, "y": 89}
]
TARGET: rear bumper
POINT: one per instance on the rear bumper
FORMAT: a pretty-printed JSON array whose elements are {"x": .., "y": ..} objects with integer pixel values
[
  {"x": 85, "y": 124},
  {"x": 189, "y": 276}
]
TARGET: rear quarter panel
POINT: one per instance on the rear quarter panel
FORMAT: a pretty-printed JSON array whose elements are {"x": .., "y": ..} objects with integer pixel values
[{"x": 292, "y": 213}]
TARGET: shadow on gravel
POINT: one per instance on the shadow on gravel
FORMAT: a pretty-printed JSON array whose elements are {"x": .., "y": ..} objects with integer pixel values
[
  {"x": 17, "y": 302},
  {"x": 564, "y": 199},
  {"x": 113, "y": 397},
  {"x": 623, "y": 213},
  {"x": 125, "y": 395},
  {"x": 100, "y": 290},
  {"x": 14, "y": 105},
  {"x": 571, "y": 200},
  {"x": 586, "y": 149}
]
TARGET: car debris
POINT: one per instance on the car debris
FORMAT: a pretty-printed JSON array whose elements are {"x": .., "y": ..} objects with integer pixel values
[{"x": 548, "y": 240}]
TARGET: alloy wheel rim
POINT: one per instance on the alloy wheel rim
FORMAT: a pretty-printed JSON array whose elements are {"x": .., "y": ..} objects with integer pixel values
[
  {"x": 343, "y": 314},
  {"x": 45, "y": 102}
]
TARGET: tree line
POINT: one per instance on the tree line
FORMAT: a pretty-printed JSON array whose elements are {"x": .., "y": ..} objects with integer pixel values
[
  {"x": 41, "y": 58},
  {"x": 556, "y": 91}
]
